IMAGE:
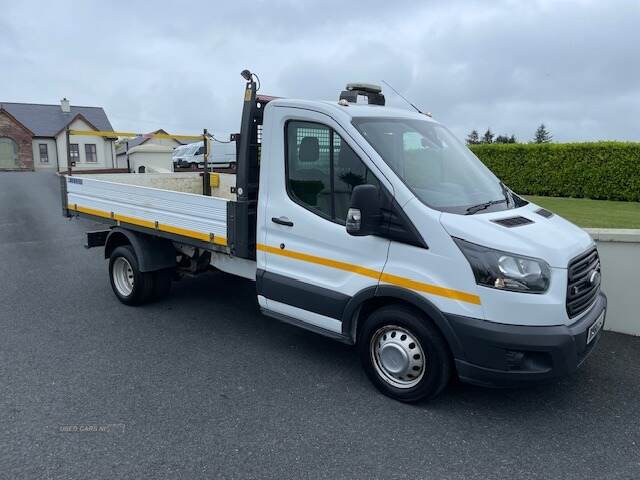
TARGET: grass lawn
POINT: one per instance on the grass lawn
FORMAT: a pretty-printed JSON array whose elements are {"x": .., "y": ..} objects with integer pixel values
[{"x": 593, "y": 213}]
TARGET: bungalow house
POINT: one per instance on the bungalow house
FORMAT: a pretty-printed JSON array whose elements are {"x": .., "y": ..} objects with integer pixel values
[
  {"x": 122, "y": 151},
  {"x": 33, "y": 137}
]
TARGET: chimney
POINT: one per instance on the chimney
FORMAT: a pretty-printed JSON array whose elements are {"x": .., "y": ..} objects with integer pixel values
[{"x": 64, "y": 105}]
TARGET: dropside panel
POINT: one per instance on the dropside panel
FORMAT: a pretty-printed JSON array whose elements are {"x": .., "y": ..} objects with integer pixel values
[{"x": 188, "y": 215}]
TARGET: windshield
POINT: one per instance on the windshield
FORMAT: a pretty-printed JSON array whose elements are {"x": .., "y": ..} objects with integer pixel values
[{"x": 439, "y": 169}]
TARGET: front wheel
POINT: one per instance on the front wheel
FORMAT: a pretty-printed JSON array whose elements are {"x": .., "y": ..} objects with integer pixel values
[
  {"x": 403, "y": 354},
  {"x": 131, "y": 286}
]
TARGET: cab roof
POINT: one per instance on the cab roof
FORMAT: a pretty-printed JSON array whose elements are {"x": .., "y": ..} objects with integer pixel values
[{"x": 352, "y": 110}]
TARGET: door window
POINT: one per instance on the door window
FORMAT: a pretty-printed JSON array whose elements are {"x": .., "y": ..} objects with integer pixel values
[
  {"x": 322, "y": 170},
  {"x": 348, "y": 173},
  {"x": 309, "y": 166}
]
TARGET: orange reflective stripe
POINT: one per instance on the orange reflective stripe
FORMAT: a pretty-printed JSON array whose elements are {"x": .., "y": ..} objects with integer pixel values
[
  {"x": 367, "y": 272},
  {"x": 205, "y": 237},
  {"x": 134, "y": 221},
  {"x": 432, "y": 289},
  {"x": 89, "y": 211},
  {"x": 184, "y": 232},
  {"x": 305, "y": 257}
]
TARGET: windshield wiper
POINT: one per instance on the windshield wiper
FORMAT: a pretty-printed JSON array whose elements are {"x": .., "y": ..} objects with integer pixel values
[
  {"x": 507, "y": 193},
  {"x": 482, "y": 206}
]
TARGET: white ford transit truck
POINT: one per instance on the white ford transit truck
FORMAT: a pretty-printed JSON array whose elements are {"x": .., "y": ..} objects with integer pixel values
[{"x": 370, "y": 225}]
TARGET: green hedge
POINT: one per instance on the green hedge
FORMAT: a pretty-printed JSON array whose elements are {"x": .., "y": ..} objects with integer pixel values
[{"x": 600, "y": 170}]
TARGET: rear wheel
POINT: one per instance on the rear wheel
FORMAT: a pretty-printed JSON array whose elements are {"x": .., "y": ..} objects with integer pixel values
[
  {"x": 404, "y": 354},
  {"x": 131, "y": 286}
]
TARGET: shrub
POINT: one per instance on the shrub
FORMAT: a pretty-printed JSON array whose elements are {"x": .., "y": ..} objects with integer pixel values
[{"x": 599, "y": 170}]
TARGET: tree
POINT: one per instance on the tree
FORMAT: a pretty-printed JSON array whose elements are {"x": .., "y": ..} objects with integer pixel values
[
  {"x": 505, "y": 139},
  {"x": 542, "y": 135},
  {"x": 473, "y": 138},
  {"x": 488, "y": 136}
]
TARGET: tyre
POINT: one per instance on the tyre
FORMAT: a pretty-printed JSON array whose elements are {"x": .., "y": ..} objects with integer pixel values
[
  {"x": 404, "y": 354},
  {"x": 131, "y": 286},
  {"x": 162, "y": 283}
]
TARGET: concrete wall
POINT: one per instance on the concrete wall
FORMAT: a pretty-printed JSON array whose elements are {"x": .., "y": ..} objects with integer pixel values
[
  {"x": 188, "y": 182},
  {"x": 52, "y": 150},
  {"x": 620, "y": 256},
  {"x": 225, "y": 182}
]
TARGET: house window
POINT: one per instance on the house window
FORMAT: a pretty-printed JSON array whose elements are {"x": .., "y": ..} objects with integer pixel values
[
  {"x": 44, "y": 153},
  {"x": 323, "y": 170},
  {"x": 74, "y": 152},
  {"x": 90, "y": 152}
]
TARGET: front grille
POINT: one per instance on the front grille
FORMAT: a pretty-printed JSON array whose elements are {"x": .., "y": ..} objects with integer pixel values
[{"x": 583, "y": 284}]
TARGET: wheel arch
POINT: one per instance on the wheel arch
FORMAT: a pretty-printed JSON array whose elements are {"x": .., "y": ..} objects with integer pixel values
[
  {"x": 153, "y": 253},
  {"x": 372, "y": 298}
]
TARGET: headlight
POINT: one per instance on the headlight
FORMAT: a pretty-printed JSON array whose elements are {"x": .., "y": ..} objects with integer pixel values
[{"x": 506, "y": 271}]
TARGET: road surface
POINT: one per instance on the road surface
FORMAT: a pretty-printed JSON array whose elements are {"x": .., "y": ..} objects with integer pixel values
[{"x": 201, "y": 385}]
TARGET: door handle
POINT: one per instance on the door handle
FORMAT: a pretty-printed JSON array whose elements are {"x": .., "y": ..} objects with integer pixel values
[{"x": 282, "y": 221}]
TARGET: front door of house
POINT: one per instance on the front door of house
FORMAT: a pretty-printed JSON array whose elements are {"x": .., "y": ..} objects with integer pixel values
[{"x": 8, "y": 153}]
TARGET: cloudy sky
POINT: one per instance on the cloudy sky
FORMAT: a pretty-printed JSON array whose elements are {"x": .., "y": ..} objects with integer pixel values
[{"x": 504, "y": 64}]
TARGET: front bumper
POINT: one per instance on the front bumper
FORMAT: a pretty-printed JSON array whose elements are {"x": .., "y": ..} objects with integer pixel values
[{"x": 493, "y": 354}]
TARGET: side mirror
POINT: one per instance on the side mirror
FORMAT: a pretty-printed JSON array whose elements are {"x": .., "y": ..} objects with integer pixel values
[{"x": 364, "y": 216}]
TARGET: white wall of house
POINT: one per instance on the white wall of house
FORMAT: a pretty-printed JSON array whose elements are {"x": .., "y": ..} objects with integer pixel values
[
  {"x": 105, "y": 148},
  {"x": 121, "y": 160},
  {"x": 167, "y": 142},
  {"x": 38, "y": 161},
  {"x": 153, "y": 157}
]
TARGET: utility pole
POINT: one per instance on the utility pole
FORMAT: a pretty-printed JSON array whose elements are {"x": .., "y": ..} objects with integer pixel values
[
  {"x": 68, "y": 152},
  {"x": 206, "y": 189},
  {"x": 126, "y": 145}
]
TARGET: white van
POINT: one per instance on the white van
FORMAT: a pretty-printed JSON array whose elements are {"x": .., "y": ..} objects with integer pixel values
[
  {"x": 192, "y": 155},
  {"x": 376, "y": 227}
]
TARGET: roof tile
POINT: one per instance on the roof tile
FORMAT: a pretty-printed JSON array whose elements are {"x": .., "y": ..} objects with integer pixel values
[{"x": 48, "y": 120}]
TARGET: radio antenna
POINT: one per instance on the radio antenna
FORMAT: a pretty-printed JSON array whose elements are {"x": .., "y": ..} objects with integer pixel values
[{"x": 402, "y": 97}]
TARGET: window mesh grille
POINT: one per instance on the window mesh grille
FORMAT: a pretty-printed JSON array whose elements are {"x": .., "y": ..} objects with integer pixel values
[{"x": 322, "y": 134}]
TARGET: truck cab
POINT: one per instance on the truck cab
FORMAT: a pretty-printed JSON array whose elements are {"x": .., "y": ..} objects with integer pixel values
[
  {"x": 374, "y": 226},
  {"x": 507, "y": 289}
]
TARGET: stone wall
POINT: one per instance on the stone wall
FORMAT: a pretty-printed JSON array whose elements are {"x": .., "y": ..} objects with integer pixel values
[{"x": 12, "y": 129}]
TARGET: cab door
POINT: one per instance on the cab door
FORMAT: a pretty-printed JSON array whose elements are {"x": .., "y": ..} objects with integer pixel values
[{"x": 309, "y": 266}]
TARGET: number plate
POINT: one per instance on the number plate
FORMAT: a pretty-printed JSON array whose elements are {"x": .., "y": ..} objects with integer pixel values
[{"x": 595, "y": 328}]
